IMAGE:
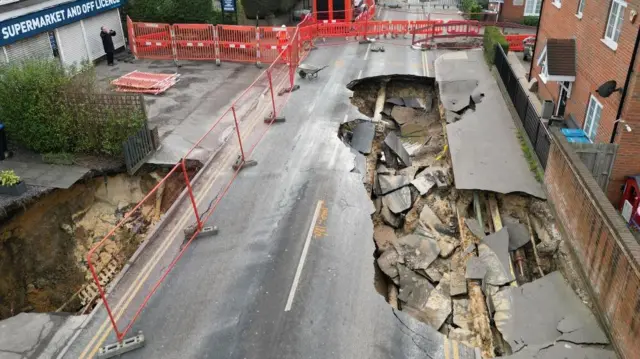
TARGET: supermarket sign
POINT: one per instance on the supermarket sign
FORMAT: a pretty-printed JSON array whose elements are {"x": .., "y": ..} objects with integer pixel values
[{"x": 34, "y": 23}]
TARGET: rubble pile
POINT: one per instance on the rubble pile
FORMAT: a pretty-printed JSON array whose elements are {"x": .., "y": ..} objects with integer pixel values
[{"x": 451, "y": 258}]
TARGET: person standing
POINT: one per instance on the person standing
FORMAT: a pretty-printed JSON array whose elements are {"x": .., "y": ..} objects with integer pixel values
[{"x": 107, "y": 43}]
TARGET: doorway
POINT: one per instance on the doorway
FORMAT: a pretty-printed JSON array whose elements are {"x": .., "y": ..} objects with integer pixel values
[{"x": 563, "y": 95}]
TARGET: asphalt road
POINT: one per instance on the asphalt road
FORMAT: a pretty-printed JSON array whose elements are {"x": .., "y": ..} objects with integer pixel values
[{"x": 291, "y": 273}]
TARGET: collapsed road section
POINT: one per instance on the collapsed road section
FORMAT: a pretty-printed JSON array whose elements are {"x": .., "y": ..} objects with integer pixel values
[{"x": 465, "y": 241}]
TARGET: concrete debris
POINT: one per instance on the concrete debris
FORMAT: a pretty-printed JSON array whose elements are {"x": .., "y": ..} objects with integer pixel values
[
  {"x": 438, "y": 307},
  {"x": 461, "y": 335},
  {"x": 387, "y": 263},
  {"x": 386, "y": 110},
  {"x": 417, "y": 103},
  {"x": 377, "y": 203},
  {"x": 383, "y": 170},
  {"x": 395, "y": 101},
  {"x": 451, "y": 116},
  {"x": 362, "y": 139},
  {"x": 393, "y": 143},
  {"x": 458, "y": 283},
  {"x": 423, "y": 184},
  {"x": 414, "y": 289},
  {"x": 474, "y": 227},
  {"x": 412, "y": 222},
  {"x": 417, "y": 252},
  {"x": 518, "y": 233},
  {"x": 461, "y": 315},
  {"x": 390, "y": 183},
  {"x": 385, "y": 237},
  {"x": 389, "y": 218},
  {"x": 430, "y": 219},
  {"x": 447, "y": 245},
  {"x": 398, "y": 201},
  {"x": 476, "y": 269},
  {"x": 554, "y": 301},
  {"x": 437, "y": 174},
  {"x": 404, "y": 115},
  {"x": 496, "y": 257}
]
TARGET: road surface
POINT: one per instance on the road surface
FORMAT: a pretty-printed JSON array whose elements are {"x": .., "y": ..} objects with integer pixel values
[{"x": 291, "y": 273}]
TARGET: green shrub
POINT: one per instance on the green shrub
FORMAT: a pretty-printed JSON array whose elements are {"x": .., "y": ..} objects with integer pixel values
[
  {"x": 492, "y": 37},
  {"x": 9, "y": 178},
  {"x": 530, "y": 20},
  {"x": 41, "y": 116},
  {"x": 172, "y": 11}
]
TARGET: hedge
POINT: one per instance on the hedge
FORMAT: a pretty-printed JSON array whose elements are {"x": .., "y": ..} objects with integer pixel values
[
  {"x": 493, "y": 36},
  {"x": 530, "y": 20},
  {"x": 172, "y": 11},
  {"x": 473, "y": 8},
  {"x": 40, "y": 117}
]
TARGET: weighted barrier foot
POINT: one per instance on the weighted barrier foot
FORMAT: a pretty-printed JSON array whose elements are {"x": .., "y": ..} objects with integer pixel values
[
  {"x": 205, "y": 232},
  {"x": 278, "y": 119},
  {"x": 125, "y": 346},
  {"x": 240, "y": 164},
  {"x": 288, "y": 89}
]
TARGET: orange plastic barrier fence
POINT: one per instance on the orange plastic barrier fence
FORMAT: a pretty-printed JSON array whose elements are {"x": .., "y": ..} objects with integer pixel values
[
  {"x": 463, "y": 27},
  {"x": 516, "y": 42}
]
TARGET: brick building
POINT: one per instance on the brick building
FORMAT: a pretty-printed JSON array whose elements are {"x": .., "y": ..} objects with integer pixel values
[
  {"x": 516, "y": 10},
  {"x": 581, "y": 45}
]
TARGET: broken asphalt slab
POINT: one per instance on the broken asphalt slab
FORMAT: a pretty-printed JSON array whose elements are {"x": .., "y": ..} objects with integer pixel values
[
  {"x": 393, "y": 143},
  {"x": 474, "y": 227},
  {"x": 494, "y": 253},
  {"x": 362, "y": 139},
  {"x": 398, "y": 201},
  {"x": 476, "y": 269},
  {"x": 518, "y": 233},
  {"x": 531, "y": 314},
  {"x": 423, "y": 184},
  {"x": 485, "y": 152},
  {"x": 390, "y": 183},
  {"x": 417, "y": 252},
  {"x": 456, "y": 95}
]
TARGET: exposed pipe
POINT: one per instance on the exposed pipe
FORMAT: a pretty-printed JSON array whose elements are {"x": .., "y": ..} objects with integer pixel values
[
  {"x": 624, "y": 89},
  {"x": 535, "y": 43}
]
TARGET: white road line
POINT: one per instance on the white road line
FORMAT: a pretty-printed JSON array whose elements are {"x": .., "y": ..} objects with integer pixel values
[
  {"x": 359, "y": 74},
  {"x": 303, "y": 256},
  {"x": 366, "y": 56}
]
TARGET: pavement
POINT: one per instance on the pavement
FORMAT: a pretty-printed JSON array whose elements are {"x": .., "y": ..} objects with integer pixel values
[
  {"x": 188, "y": 110},
  {"x": 479, "y": 161},
  {"x": 290, "y": 275},
  {"x": 45, "y": 175}
]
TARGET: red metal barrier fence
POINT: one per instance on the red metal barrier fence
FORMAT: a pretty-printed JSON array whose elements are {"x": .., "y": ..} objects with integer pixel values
[
  {"x": 284, "y": 48},
  {"x": 264, "y": 98}
]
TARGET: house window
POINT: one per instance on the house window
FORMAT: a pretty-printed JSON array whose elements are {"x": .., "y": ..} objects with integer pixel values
[
  {"x": 580, "y": 8},
  {"x": 532, "y": 8},
  {"x": 592, "y": 119},
  {"x": 614, "y": 24},
  {"x": 557, "y": 3},
  {"x": 542, "y": 62}
]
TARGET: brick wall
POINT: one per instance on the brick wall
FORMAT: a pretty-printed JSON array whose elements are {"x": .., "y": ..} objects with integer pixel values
[
  {"x": 512, "y": 10},
  {"x": 608, "y": 254},
  {"x": 627, "y": 161},
  {"x": 596, "y": 62}
]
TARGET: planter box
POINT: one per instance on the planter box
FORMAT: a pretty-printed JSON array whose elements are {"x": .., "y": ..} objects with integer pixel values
[{"x": 16, "y": 190}]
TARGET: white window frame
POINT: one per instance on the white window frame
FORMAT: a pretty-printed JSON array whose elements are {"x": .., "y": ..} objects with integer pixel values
[
  {"x": 568, "y": 89},
  {"x": 557, "y": 3},
  {"x": 589, "y": 127},
  {"x": 611, "y": 41},
  {"x": 580, "y": 10},
  {"x": 542, "y": 62},
  {"x": 537, "y": 7}
]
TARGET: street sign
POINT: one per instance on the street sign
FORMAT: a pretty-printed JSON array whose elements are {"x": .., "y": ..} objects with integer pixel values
[{"x": 229, "y": 5}]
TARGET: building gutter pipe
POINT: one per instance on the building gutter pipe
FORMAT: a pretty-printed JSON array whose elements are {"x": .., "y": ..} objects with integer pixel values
[
  {"x": 625, "y": 88},
  {"x": 535, "y": 44}
]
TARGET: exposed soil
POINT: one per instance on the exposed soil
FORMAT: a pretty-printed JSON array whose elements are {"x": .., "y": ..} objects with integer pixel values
[
  {"x": 438, "y": 216},
  {"x": 43, "y": 249}
]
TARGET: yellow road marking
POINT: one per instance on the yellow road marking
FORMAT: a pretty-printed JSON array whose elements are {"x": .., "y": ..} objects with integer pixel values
[
  {"x": 447, "y": 355},
  {"x": 131, "y": 292},
  {"x": 320, "y": 229},
  {"x": 456, "y": 352}
]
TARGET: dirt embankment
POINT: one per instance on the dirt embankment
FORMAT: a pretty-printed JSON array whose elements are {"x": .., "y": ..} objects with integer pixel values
[{"x": 43, "y": 249}]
